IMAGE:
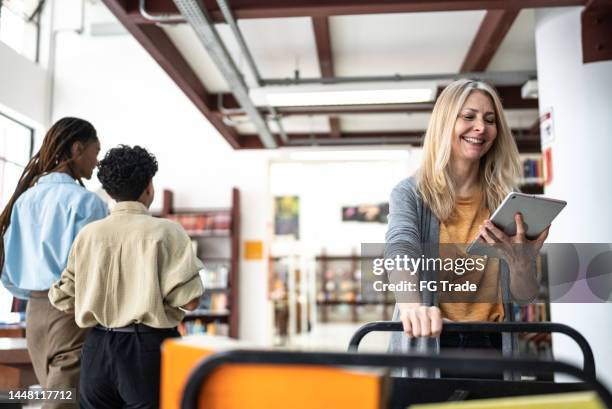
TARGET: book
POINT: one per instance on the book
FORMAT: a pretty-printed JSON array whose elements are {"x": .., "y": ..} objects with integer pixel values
[{"x": 573, "y": 400}]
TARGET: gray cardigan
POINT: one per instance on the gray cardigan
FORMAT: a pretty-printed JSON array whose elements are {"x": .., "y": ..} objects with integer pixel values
[{"x": 414, "y": 230}]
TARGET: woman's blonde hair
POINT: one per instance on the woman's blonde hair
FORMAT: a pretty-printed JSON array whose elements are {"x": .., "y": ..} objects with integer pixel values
[{"x": 499, "y": 168}]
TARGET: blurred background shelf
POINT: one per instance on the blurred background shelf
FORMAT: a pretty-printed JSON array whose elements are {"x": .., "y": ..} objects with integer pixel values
[{"x": 215, "y": 235}]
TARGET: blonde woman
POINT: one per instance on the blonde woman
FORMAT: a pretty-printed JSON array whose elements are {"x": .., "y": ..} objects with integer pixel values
[{"x": 470, "y": 163}]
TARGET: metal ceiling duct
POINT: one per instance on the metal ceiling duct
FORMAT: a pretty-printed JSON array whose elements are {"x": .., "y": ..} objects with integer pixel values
[
  {"x": 233, "y": 24},
  {"x": 201, "y": 22},
  {"x": 498, "y": 78},
  {"x": 381, "y": 140}
]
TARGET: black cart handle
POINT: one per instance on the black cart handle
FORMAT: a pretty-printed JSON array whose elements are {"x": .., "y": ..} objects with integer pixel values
[
  {"x": 466, "y": 364},
  {"x": 550, "y": 327}
]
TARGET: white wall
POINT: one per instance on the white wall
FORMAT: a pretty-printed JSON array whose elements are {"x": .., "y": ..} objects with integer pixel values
[
  {"x": 325, "y": 187},
  {"x": 112, "y": 82},
  {"x": 115, "y": 84},
  {"x": 580, "y": 96},
  {"x": 23, "y": 85}
]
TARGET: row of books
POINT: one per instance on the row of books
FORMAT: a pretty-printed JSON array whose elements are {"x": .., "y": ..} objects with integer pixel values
[
  {"x": 198, "y": 327},
  {"x": 531, "y": 313},
  {"x": 214, "y": 277},
  {"x": 203, "y": 222},
  {"x": 213, "y": 302},
  {"x": 533, "y": 168}
]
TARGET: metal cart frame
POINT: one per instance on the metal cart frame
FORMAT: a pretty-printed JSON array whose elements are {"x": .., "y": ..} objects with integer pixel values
[{"x": 468, "y": 365}]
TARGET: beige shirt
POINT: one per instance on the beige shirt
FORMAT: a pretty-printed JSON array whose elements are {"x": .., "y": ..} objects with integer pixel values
[{"x": 129, "y": 268}]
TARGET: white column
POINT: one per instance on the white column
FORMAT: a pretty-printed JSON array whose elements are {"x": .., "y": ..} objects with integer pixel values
[{"x": 580, "y": 96}]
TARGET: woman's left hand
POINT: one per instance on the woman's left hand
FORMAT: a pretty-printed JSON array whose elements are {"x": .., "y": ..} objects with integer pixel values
[{"x": 518, "y": 251}]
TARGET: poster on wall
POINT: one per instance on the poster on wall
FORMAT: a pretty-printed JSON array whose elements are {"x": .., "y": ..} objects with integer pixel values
[
  {"x": 369, "y": 213},
  {"x": 287, "y": 216}
]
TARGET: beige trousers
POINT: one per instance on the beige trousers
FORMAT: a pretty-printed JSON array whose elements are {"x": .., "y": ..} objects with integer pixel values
[{"x": 54, "y": 343}]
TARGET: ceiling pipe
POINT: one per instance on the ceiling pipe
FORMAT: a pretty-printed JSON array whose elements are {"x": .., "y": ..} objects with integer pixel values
[
  {"x": 233, "y": 24},
  {"x": 229, "y": 19},
  {"x": 159, "y": 18},
  {"x": 496, "y": 77},
  {"x": 199, "y": 19},
  {"x": 383, "y": 140}
]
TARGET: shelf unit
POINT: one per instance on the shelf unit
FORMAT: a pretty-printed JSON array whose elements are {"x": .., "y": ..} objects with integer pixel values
[
  {"x": 291, "y": 285},
  {"x": 215, "y": 234},
  {"x": 532, "y": 174},
  {"x": 534, "y": 344},
  {"x": 339, "y": 287}
]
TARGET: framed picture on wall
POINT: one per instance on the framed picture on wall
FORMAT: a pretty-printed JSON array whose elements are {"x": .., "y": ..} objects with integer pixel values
[
  {"x": 287, "y": 216},
  {"x": 368, "y": 213}
]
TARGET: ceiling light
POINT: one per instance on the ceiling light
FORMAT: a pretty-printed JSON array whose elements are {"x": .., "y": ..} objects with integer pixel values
[
  {"x": 344, "y": 94},
  {"x": 350, "y": 155}
]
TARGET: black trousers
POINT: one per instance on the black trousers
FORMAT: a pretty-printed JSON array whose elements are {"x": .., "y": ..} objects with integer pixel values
[{"x": 122, "y": 369}]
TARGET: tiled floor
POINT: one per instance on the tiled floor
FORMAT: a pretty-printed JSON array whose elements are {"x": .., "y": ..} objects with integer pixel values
[{"x": 336, "y": 337}]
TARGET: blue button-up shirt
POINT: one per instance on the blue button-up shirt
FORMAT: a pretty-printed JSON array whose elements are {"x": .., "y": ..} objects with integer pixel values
[{"x": 44, "y": 222}]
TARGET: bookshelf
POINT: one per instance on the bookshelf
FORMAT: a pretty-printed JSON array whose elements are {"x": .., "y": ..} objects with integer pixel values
[
  {"x": 339, "y": 295},
  {"x": 532, "y": 174},
  {"x": 291, "y": 283},
  {"x": 535, "y": 344},
  {"x": 215, "y": 236}
]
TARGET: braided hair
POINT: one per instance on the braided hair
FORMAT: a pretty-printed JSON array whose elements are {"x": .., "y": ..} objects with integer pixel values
[{"x": 54, "y": 154}]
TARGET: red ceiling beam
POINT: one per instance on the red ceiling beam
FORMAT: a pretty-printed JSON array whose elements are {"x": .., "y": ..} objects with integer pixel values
[
  {"x": 490, "y": 35},
  {"x": 319, "y": 8},
  {"x": 596, "y": 21},
  {"x": 512, "y": 99},
  {"x": 153, "y": 39},
  {"x": 324, "y": 47},
  {"x": 527, "y": 143},
  {"x": 510, "y": 96},
  {"x": 356, "y": 109},
  {"x": 326, "y": 62}
]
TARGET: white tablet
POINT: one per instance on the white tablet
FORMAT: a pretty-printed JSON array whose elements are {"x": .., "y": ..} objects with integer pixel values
[{"x": 538, "y": 212}]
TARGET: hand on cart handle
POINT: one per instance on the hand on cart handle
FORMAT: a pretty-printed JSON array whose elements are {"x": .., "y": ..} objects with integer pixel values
[{"x": 420, "y": 320}]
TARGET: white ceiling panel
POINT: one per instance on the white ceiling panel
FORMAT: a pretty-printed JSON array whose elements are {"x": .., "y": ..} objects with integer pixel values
[
  {"x": 384, "y": 122},
  {"x": 291, "y": 124},
  {"x": 306, "y": 124},
  {"x": 517, "y": 51},
  {"x": 185, "y": 39},
  {"x": 406, "y": 43},
  {"x": 281, "y": 45}
]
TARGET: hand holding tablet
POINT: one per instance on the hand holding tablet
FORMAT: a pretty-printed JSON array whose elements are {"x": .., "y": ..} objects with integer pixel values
[{"x": 536, "y": 214}]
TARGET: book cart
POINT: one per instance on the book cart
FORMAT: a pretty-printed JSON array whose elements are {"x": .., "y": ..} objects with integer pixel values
[{"x": 221, "y": 371}]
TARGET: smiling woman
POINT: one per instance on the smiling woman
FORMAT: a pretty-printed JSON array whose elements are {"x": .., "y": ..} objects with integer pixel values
[{"x": 470, "y": 163}]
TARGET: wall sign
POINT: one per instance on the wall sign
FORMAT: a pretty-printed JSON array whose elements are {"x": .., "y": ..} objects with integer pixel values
[{"x": 547, "y": 130}]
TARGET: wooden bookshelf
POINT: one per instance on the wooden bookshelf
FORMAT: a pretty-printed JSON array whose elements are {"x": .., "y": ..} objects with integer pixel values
[
  {"x": 215, "y": 233},
  {"x": 339, "y": 286}
]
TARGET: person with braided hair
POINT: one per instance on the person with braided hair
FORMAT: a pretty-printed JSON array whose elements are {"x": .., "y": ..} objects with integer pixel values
[{"x": 38, "y": 226}]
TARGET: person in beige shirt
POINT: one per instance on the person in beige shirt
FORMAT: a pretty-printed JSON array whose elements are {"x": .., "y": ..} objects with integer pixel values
[{"x": 130, "y": 276}]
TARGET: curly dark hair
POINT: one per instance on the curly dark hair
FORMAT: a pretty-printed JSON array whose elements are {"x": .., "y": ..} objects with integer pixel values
[{"x": 125, "y": 172}]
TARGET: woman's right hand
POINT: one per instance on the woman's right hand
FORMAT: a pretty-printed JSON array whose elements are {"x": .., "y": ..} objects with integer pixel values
[{"x": 420, "y": 320}]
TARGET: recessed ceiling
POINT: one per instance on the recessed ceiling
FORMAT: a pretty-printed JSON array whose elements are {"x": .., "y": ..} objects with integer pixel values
[{"x": 362, "y": 45}]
